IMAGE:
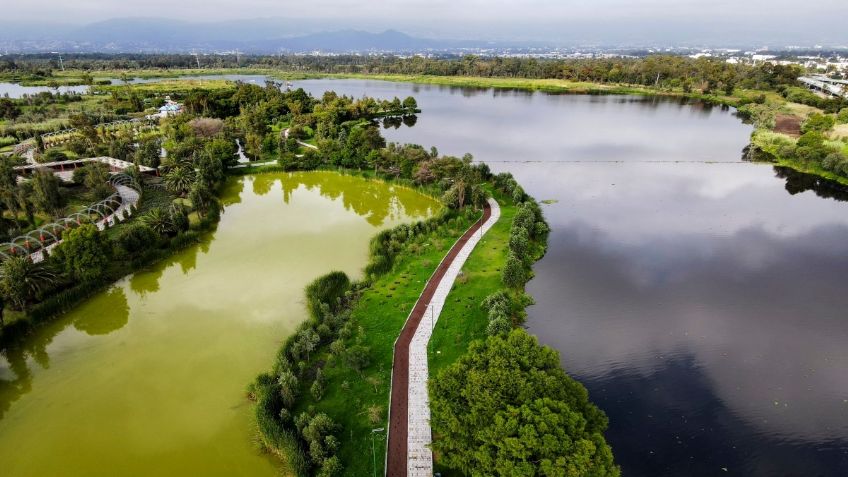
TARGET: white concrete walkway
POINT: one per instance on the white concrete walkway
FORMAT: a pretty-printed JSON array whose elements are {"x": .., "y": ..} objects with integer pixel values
[
  {"x": 129, "y": 197},
  {"x": 419, "y": 436}
]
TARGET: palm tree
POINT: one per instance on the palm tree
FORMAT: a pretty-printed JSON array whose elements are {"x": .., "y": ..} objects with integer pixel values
[
  {"x": 180, "y": 179},
  {"x": 21, "y": 279},
  {"x": 159, "y": 220}
]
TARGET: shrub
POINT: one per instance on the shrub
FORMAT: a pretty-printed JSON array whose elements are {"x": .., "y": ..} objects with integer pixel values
[
  {"x": 318, "y": 386},
  {"x": 84, "y": 252},
  {"x": 136, "y": 238},
  {"x": 53, "y": 155},
  {"x": 498, "y": 326},
  {"x": 288, "y": 388},
  {"x": 357, "y": 357},
  {"x": 519, "y": 242},
  {"x": 818, "y": 122},
  {"x": 514, "y": 275},
  {"x": 328, "y": 289}
]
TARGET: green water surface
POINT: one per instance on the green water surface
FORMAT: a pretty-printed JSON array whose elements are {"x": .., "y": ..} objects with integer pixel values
[{"x": 148, "y": 378}]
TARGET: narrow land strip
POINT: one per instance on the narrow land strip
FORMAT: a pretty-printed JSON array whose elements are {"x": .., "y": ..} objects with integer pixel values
[{"x": 409, "y": 427}]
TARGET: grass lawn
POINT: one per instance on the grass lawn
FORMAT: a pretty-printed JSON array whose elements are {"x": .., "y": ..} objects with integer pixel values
[{"x": 463, "y": 320}]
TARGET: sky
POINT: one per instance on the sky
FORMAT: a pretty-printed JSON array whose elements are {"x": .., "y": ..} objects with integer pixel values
[{"x": 488, "y": 19}]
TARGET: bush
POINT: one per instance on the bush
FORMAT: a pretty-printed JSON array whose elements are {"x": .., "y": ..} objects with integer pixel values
[
  {"x": 357, "y": 357},
  {"x": 842, "y": 117},
  {"x": 499, "y": 326},
  {"x": 519, "y": 242},
  {"x": 329, "y": 289},
  {"x": 84, "y": 252},
  {"x": 274, "y": 435},
  {"x": 136, "y": 238},
  {"x": 53, "y": 155},
  {"x": 818, "y": 122},
  {"x": 318, "y": 386},
  {"x": 514, "y": 275}
]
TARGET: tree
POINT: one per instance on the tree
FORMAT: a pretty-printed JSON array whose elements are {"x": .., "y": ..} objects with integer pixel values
[
  {"x": 506, "y": 408},
  {"x": 519, "y": 242},
  {"x": 410, "y": 104},
  {"x": 135, "y": 238},
  {"x": 8, "y": 109},
  {"x": 201, "y": 197},
  {"x": 21, "y": 280},
  {"x": 288, "y": 387},
  {"x": 95, "y": 177},
  {"x": 159, "y": 220},
  {"x": 358, "y": 357},
  {"x": 318, "y": 386},
  {"x": 818, "y": 122},
  {"x": 224, "y": 150},
  {"x": 84, "y": 252},
  {"x": 180, "y": 178},
  {"x": 514, "y": 275},
  {"x": 178, "y": 218},
  {"x": 307, "y": 341},
  {"x": 317, "y": 432},
  {"x": 148, "y": 153},
  {"x": 46, "y": 195},
  {"x": 499, "y": 325},
  {"x": 206, "y": 127}
]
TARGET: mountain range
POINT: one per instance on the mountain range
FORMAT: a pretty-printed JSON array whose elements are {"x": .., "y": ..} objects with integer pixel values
[{"x": 129, "y": 35}]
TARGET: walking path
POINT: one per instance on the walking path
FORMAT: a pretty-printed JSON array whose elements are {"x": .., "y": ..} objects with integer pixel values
[
  {"x": 129, "y": 197},
  {"x": 310, "y": 146},
  {"x": 408, "y": 453}
]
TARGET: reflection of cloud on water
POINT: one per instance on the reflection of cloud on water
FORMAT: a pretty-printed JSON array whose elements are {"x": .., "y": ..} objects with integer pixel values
[
  {"x": 768, "y": 332},
  {"x": 676, "y": 417},
  {"x": 641, "y": 203}
]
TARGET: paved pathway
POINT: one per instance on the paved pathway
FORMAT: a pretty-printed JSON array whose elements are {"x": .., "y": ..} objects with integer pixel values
[
  {"x": 129, "y": 197},
  {"x": 408, "y": 454},
  {"x": 310, "y": 146}
]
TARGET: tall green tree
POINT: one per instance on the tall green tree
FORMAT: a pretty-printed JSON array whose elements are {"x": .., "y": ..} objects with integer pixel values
[
  {"x": 149, "y": 152},
  {"x": 180, "y": 178},
  {"x": 21, "y": 280},
  {"x": 46, "y": 196},
  {"x": 84, "y": 252},
  {"x": 506, "y": 408}
]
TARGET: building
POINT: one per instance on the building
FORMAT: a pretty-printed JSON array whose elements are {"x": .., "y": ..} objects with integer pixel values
[
  {"x": 65, "y": 169},
  {"x": 170, "y": 108}
]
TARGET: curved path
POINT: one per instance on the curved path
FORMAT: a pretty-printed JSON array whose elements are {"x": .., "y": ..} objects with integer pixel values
[
  {"x": 408, "y": 452},
  {"x": 129, "y": 198}
]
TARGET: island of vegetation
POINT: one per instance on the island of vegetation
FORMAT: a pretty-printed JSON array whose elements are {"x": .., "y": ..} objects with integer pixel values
[{"x": 328, "y": 388}]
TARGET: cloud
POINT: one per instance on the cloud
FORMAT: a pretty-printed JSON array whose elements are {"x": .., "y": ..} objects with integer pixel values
[{"x": 531, "y": 19}]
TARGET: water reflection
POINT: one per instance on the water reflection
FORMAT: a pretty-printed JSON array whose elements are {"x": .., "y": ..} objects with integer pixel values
[
  {"x": 372, "y": 200},
  {"x": 797, "y": 182},
  {"x": 702, "y": 305},
  {"x": 115, "y": 300},
  {"x": 15, "y": 90},
  {"x": 709, "y": 282}
]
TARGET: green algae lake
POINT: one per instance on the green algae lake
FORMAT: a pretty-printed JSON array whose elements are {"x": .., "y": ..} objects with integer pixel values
[{"x": 149, "y": 376}]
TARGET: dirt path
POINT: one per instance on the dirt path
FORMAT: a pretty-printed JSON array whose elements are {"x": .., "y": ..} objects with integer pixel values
[{"x": 401, "y": 460}]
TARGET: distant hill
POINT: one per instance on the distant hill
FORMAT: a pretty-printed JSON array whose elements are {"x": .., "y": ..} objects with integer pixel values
[{"x": 250, "y": 36}]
